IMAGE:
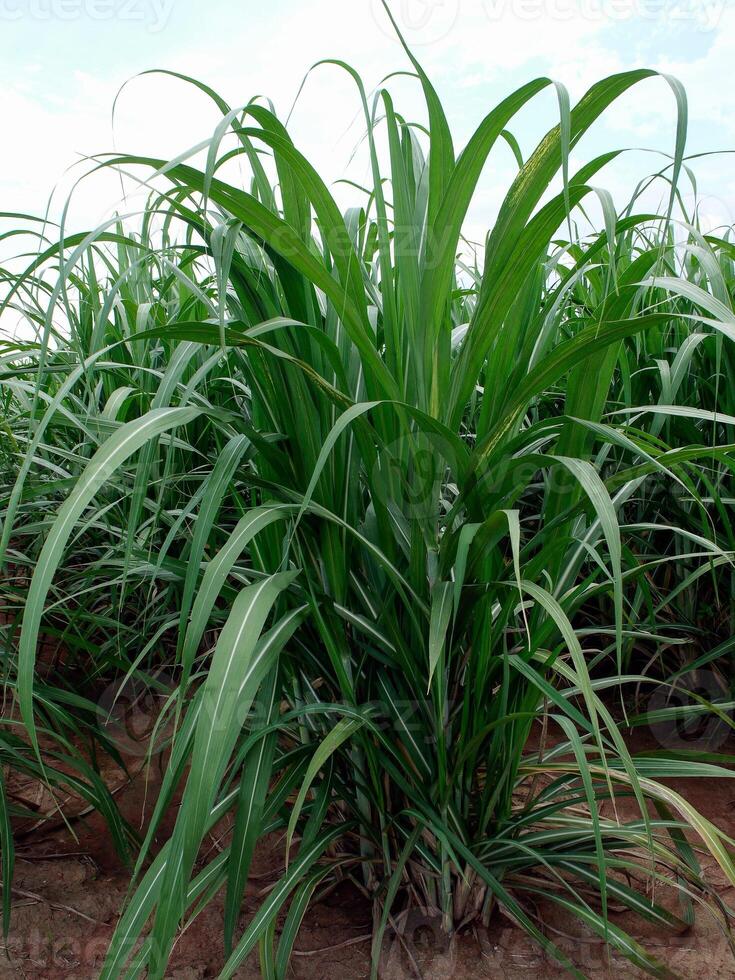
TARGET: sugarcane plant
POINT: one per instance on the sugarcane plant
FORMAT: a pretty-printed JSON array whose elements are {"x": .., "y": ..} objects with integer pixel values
[{"x": 380, "y": 511}]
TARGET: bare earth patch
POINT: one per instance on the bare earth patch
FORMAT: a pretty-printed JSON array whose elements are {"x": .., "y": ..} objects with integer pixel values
[{"x": 68, "y": 894}]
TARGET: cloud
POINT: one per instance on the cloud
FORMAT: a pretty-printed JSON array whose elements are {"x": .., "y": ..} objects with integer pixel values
[{"x": 477, "y": 51}]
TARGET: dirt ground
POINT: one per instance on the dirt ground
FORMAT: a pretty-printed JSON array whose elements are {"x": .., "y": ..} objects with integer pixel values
[{"x": 68, "y": 893}]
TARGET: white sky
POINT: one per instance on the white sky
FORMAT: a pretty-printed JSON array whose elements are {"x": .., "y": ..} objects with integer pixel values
[{"x": 63, "y": 61}]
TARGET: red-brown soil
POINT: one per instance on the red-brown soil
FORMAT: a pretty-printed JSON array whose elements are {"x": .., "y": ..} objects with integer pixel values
[{"x": 68, "y": 894}]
